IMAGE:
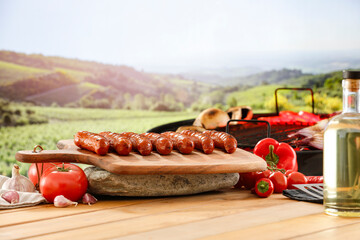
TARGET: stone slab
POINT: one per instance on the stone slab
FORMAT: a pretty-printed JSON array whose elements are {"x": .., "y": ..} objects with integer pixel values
[{"x": 103, "y": 182}]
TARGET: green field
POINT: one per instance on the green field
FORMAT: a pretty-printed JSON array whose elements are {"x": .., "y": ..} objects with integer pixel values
[
  {"x": 78, "y": 75},
  {"x": 254, "y": 96},
  {"x": 65, "y": 122},
  {"x": 10, "y": 72}
]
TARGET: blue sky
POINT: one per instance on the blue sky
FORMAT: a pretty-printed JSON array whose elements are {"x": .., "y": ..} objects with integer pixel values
[{"x": 144, "y": 33}]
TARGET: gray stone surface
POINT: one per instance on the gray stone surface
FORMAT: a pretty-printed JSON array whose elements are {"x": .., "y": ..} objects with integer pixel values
[{"x": 105, "y": 183}]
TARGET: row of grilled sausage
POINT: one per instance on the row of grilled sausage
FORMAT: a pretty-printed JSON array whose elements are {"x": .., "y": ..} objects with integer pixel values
[{"x": 164, "y": 143}]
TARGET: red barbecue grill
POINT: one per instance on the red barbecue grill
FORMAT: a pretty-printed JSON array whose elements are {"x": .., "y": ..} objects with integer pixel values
[{"x": 249, "y": 132}]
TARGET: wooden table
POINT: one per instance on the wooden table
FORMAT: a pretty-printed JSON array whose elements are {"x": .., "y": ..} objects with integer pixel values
[{"x": 230, "y": 214}]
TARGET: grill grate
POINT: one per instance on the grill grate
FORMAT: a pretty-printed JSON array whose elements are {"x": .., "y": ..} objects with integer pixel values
[{"x": 250, "y": 132}]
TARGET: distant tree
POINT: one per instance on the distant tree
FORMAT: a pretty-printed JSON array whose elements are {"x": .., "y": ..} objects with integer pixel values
[
  {"x": 232, "y": 102},
  {"x": 139, "y": 102},
  {"x": 7, "y": 120},
  {"x": 159, "y": 106},
  {"x": 54, "y": 104},
  {"x": 150, "y": 101},
  {"x": 127, "y": 101},
  {"x": 17, "y": 112},
  {"x": 103, "y": 103},
  {"x": 72, "y": 105},
  {"x": 87, "y": 101},
  {"x": 282, "y": 103}
]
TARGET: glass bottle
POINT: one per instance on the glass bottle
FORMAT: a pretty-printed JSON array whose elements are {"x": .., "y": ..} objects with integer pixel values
[{"x": 342, "y": 153}]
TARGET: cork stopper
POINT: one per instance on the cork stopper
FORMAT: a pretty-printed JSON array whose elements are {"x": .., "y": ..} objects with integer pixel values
[
  {"x": 352, "y": 85},
  {"x": 351, "y": 80}
]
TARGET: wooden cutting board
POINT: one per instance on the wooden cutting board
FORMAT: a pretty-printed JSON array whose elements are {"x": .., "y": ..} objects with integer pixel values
[{"x": 135, "y": 164}]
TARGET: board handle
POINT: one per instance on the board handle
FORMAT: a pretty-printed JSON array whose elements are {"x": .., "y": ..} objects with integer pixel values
[{"x": 28, "y": 156}]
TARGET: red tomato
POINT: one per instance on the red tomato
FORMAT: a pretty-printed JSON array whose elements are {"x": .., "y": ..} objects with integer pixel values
[
  {"x": 33, "y": 173},
  {"x": 264, "y": 187},
  {"x": 296, "y": 178},
  {"x": 279, "y": 180},
  {"x": 248, "y": 180},
  {"x": 263, "y": 174},
  {"x": 287, "y": 173},
  {"x": 69, "y": 180}
]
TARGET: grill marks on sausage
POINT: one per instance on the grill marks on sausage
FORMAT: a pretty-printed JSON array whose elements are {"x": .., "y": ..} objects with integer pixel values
[
  {"x": 92, "y": 142},
  {"x": 181, "y": 142},
  {"x": 202, "y": 142},
  {"x": 120, "y": 144},
  {"x": 161, "y": 144},
  {"x": 223, "y": 140},
  {"x": 140, "y": 143}
]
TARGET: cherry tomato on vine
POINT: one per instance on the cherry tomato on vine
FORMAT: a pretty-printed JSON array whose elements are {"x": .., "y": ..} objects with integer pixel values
[
  {"x": 248, "y": 180},
  {"x": 296, "y": 178},
  {"x": 263, "y": 174},
  {"x": 264, "y": 187},
  {"x": 68, "y": 180},
  {"x": 287, "y": 173},
  {"x": 279, "y": 180}
]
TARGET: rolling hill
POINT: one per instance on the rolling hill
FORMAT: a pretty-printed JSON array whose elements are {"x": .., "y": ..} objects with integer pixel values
[{"x": 45, "y": 80}]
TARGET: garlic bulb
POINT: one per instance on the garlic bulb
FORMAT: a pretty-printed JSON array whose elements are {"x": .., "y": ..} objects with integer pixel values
[{"x": 18, "y": 182}]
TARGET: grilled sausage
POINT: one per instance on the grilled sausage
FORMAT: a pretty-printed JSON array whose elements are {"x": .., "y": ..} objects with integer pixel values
[
  {"x": 181, "y": 142},
  {"x": 202, "y": 142},
  {"x": 92, "y": 142},
  {"x": 140, "y": 143},
  {"x": 161, "y": 144},
  {"x": 120, "y": 144},
  {"x": 223, "y": 140}
]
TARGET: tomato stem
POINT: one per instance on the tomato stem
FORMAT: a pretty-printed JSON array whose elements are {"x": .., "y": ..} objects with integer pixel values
[
  {"x": 62, "y": 168},
  {"x": 263, "y": 186}
]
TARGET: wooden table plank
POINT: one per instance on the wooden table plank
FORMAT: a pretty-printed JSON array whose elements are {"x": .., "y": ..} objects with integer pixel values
[
  {"x": 48, "y": 211},
  {"x": 221, "y": 224},
  {"x": 226, "y": 214},
  {"x": 200, "y": 207},
  {"x": 177, "y": 213},
  {"x": 289, "y": 228},
  {"x": 349, "y": 231}
]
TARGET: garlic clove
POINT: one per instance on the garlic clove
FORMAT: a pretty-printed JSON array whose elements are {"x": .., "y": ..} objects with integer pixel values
[
  {"x": 88, "y": 199},
  {"x": 11, "y": 197},
  {"x": 61, "y": 201},
  {"x": 18, "y": 182}
]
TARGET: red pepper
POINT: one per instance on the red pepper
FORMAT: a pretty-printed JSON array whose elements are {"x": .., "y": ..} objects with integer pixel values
[
  {"x": 315, "y": 179},
  {"x": 264, "y": 187},
  {"x": 277, "y": 155}
]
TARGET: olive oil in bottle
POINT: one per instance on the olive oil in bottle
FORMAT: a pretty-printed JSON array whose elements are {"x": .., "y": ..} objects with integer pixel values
[{"x": 342, "y": 153}]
